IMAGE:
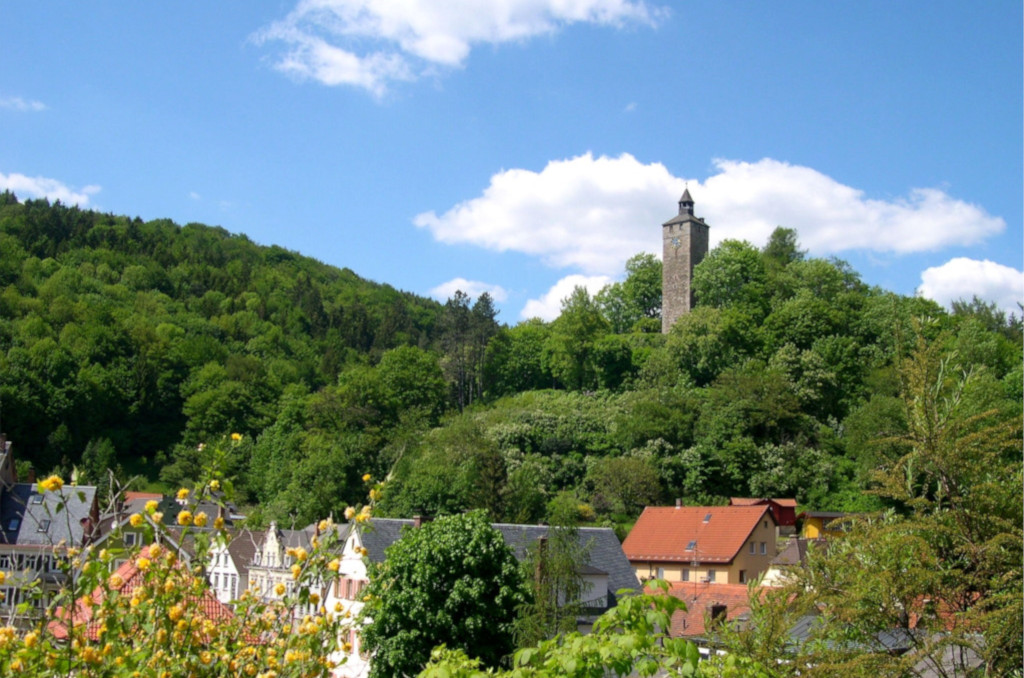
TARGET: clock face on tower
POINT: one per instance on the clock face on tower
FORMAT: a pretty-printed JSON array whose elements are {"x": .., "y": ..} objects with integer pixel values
[{"x": 675, "y": 242}]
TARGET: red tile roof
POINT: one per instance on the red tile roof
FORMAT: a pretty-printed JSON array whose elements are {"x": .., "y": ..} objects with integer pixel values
[
  {"x": 753, "y": 501},
  {"x": 700, "y": 597},
  {"x": 206, "y": 605},
  {"x": 662, "y": 534}
]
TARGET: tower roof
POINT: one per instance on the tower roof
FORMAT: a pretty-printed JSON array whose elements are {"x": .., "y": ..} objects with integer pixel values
[{"x": 686, "y": 196}]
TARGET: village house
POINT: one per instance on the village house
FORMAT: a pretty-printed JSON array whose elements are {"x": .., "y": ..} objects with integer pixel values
[
  {"x": 711, "y": 544},
  {"x": 783, "y": 510},
  {"x": 822, "y": 524},
  {"x": 36, "y": 529},
  {"x": 606, "y": 571}
]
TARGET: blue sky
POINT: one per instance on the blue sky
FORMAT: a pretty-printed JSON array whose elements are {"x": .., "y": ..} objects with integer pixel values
[{"x": 524, "y": 146}]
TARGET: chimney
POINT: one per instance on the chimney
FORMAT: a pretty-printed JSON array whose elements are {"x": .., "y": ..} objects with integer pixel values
[
  {"x": 679, "y": 503},
  {"x": 542, "y": 548},
  {"x": 716, "y": 612},
  {"x": 31, "y": 474}
]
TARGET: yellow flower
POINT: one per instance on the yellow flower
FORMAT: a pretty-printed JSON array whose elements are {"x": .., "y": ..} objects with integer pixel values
[
  {"x": 349, "y": 512},
  {"x": 334, "y": 565},
  {"x": 338, "y": 607},
  {"x": 279, "y": 589},
  {"x": 51, "y": 484},
  {"x": 143, "y": 563},
  {"x": 183, "y": 494},
  {"x": 296, "y": 570},
  {"x": 116, "y": 581},
  {"x": 367, "y": 477},
  {"x": 235, "y": 437},
  {"x": 214, "y": 484},
  {"x": 31, "y": 639},
  {"x": 155, "y": 550},
  {"x": 323, "y": 525},
  {"x": 200, "y": 519},
  {"x": 3, "y": 577},
  {"x": 218, "y": 523},
  {"x": 185, "y": 518},
  {"x": 135, "y": 520},
  {"x": 314, "y": 598},
  {"x": 374, "y": 494},
  {"x": 175, "y": 613},
  {"x": 151, "y": 506}
]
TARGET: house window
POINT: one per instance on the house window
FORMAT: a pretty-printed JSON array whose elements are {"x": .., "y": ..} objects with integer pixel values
[
  {"x": 686, "y": 575},
  {"x": 711, "y": 576},
  {"x": 764, "y": 548},
  {"x": 130, "y": 538},
  {"x": 743, "y": 576},
  {"x": 753, "y": 548},
  {"x": 766, "y": 524}
]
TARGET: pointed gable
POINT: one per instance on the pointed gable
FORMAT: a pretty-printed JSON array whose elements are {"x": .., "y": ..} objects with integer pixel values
[{"x": 706, "y": 534}]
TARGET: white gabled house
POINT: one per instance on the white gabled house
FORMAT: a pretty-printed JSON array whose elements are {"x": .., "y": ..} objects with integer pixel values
[{"x": 606, "y": 572}]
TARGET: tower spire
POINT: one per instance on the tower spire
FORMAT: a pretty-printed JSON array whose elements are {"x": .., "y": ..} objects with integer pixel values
[{"x": 686, "y": 202}]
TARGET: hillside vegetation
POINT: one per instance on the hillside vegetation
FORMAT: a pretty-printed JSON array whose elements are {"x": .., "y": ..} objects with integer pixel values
[{"x": 123, "y": 340}]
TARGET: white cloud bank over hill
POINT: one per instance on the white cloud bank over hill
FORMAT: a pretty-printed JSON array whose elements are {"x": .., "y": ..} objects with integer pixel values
[
  {"x": 371, "y": 43},
  {"x": 473, "y": 288},
  {"x": 591, "y": 214},
  {"x": 963, "y": 278},
  {"x": 550, "y": 305},
  {"x": 42, "y": 187}
]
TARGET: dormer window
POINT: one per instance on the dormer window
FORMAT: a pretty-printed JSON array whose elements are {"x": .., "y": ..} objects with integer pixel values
[
  {"x": 692, "y": 545},
  {"x": 44, "y": 525},
  {"x": 707, "y": 518},
  {"x": 14, "y": 524},
  {"x": 36, "y": 499}
]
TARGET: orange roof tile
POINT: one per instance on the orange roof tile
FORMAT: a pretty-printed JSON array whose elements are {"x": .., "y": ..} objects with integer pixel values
[
  {"x": 754, "y": 501},
  {"x": 206, "y": 605},
  {"x": 666, "y": 533},
  {"x": 700, "y": 597}
]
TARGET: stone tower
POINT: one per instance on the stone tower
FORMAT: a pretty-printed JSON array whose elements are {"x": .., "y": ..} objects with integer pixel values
[{"x": 685, "y": 242}]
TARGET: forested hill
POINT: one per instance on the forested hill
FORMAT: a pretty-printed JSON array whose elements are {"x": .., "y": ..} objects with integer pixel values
[
  {"x": 136, "y": 335},
  {"x": 130, "y": 344}
]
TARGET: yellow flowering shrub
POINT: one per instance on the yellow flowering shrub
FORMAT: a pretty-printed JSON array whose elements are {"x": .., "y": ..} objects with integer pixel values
[{"x": 154, "y": 616}]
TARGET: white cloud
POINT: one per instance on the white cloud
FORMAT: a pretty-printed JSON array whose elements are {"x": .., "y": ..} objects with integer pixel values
[
  {"x": 549, "y": 306},
  {"x": 194, "y": 196},
  {"x": 42, "y": 187},
  {"x": 370, "y": 43},
  {"x": 22, "y": 105},
  {"x": 474, "y": 288},
  {"x": 587, "y": 213},
  {"x": 592, "y": 214},
  {"x": 963, "y": 278},
  {"x": 748, "y": 200}
]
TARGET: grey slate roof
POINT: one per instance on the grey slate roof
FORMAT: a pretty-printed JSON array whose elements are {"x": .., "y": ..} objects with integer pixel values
[
  {"x": 605, "y": 553},
  {"x": 24, "y": 514}
]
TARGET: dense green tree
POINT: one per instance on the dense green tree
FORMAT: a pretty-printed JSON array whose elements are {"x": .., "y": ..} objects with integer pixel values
[
  {"x": 514, "y": 361},
  {"x": 569, "y": 352},
  {"x": 732, "y": 274},
  {"x": 635, "y": 303},
  {"x": 452, "y": 581},
  {"x": 625, "y": 484}
]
